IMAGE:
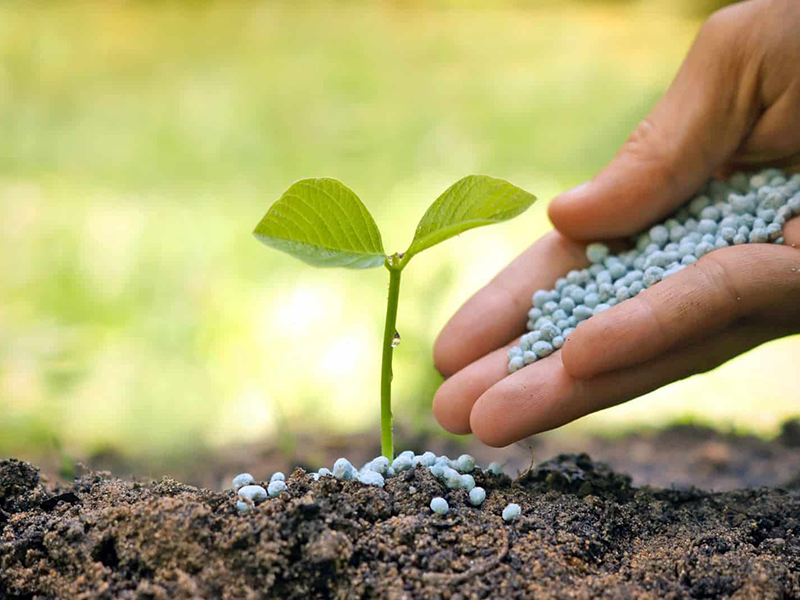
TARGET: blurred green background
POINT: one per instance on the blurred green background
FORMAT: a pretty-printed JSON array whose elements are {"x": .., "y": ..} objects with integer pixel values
[{"x": 140, "y": 143}]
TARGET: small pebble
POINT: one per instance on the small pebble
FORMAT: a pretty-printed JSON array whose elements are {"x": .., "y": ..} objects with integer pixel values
[
  {"x": 511, "y": 512},
  {"x": 452, "y": 478},
  {"x": 320, "y": 473},
  {"x": 252, "y": 494},
  {"x": 601, "y": 307},
  {"x": 596, "y": 252},
  {"x": 276, "y": 488},
  {"x": 543, "y": 349},
  {"x": 465, "y": 463},
  {"x": 379, "y": 464},
  {"x": 659, "y": 234},
  {"x": 468, "y": 482},
  {"x": 343, "y": 470},
  {"x": 369, "y": 477},
  {"x": 440, "y": 506},
  {"x": 653, "y": 275},
  {"x": 426, "y": 459},
  {"x": 495, "y": 468},
  {"x": 277, "y": 476},
  {"x": 476, "y": 496},
  {"x": 241, "y": 480},
  {"x": 402, "y": 463},
  {"x": 539, "y": 298},
  {"x": 437, "y": 470}
]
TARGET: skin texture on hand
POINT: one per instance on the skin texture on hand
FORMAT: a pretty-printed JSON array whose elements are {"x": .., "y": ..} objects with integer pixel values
[{"x": 734, "y": 104}]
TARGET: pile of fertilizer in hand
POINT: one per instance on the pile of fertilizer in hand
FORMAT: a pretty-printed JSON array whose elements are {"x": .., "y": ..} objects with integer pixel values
[{"x": 741, "y": 210}]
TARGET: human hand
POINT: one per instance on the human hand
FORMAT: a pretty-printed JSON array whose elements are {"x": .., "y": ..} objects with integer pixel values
[{"x": 733, "y": 105}]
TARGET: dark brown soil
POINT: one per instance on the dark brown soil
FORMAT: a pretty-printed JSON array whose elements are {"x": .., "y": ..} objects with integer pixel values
[
  {"x": 680, "y": 456},
  {"x": 585, "y": 532}
]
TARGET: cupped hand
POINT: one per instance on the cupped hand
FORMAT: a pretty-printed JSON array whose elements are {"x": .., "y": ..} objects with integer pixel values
[{"x": 735, "y": 104}]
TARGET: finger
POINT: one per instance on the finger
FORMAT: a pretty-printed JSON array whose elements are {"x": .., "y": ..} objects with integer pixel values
[
  {"x": 543, "y": 396},
  {"x": 706, "y": 297},
  {"x": 776, "y": 135},
  {"x": 791, "y": 233},
  {"x": 453, "y": 401},
  {"x": 764, "y": 160},
  {"x": 497, "y": 313},
  {"x": 775, "y": 139},
  {"x": 692, "y": 131}
]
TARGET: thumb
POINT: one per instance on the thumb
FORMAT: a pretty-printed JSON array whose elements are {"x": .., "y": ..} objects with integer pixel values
[{"x": 695, "y": 127}]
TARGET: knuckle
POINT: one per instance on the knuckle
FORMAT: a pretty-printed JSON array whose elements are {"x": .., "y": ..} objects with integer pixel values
[
  {"x": 650, "y": 146},
  {"x": 716, "y": 270},
  {"x": 720, "y": 38},
  {"x": 648, "y": 304},
  {"x": 507, "y": 296},
  {"x": 723, "y": 22},
  {"x": 736, "y": 31}
]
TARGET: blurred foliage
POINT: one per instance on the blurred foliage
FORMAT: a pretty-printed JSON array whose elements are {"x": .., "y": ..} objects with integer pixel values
[{"x": 141, "y": 143}]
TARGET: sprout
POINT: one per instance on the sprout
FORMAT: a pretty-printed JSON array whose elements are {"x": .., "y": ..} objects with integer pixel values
[{"x": 323, "y": 223}]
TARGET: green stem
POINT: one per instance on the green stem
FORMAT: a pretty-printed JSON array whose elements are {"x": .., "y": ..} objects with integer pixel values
[{"x": 387, "y": 443}]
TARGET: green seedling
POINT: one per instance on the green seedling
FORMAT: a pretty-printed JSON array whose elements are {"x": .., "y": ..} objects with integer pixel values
[{"x": 323, "y": 223}]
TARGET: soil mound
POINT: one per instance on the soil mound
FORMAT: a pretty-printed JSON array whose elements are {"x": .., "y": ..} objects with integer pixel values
[{"x": 585, "y": 532}]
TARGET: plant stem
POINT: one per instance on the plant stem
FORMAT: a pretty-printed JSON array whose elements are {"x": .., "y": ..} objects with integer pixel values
[{"x": 387, "y": 443}]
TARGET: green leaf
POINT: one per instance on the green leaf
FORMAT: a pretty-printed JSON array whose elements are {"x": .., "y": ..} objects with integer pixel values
[
  {"x": 323, "y": 223},
  {"x": 470, "y": 202}
]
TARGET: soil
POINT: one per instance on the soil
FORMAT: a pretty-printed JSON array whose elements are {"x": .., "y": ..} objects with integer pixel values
[
  {"x": 680, "y": 456},
  {"x": 586, "y": 531}
]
